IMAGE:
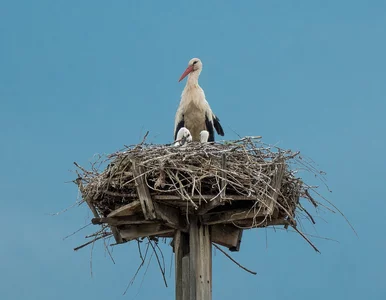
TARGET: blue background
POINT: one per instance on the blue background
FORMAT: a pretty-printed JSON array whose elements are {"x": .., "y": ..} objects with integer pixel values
[{"x": 85, "y": 77}]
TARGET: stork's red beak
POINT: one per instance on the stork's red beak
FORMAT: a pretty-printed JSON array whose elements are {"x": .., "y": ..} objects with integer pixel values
[{"x": 187, "y": 71}]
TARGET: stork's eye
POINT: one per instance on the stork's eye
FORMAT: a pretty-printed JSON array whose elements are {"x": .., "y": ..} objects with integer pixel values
[{"x": 195, "y": 62}]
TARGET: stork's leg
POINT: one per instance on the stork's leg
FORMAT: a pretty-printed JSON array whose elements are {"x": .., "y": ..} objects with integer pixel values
[
  {"x": 183, "y": 137},
  {"x": 204, "y": 136}
]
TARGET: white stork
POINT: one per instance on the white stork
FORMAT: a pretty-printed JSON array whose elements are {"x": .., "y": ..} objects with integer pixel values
[
  {"x": 204, "y": 136},
  {"x": 194, "y": 112},
  {"x": 183, "y": 138}
]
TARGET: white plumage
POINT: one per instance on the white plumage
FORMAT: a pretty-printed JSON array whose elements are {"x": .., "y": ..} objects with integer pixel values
[
  {"x": 183, "y": 137},
  {"x": 194, "y": 112},
  {"x": 204, "y": 136}
]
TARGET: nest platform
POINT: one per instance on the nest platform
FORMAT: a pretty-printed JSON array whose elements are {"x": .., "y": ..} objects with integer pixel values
[{"x": 155, "y": 190}]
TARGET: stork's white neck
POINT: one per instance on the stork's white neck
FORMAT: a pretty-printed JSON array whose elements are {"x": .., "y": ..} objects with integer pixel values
[{"x": 193, "y": 79}]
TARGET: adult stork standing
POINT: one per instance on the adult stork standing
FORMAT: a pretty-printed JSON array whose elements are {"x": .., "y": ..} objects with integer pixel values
[{"x": 194, "y": 112}]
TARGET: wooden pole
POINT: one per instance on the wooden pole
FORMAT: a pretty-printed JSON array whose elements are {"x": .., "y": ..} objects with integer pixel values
[
  {"x": 181, "y": 252},
  {"x": 200, "y": 261},
  {"x": 193, "y": 255}
]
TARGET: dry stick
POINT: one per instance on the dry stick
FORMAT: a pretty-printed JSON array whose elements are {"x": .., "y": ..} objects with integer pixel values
[
  {"x": 310, "y": 167},
  {"x": 66, "y": 209},
  {"x": 304, "y": 237},
  {"x": 163, "y": 258},
  {"x": 306, "y": 234},
  {"x": 83, "y": 169},
  {"x": 144, "y": 138},
  {"x": 308, "y": 214},
  {"x": 92, "y": 248},
  {"x": 139, "y": 250},
  {"x": 108, "y": 251},
  {"x": 311, "y": 198},
  {"x": 159, "y": 263},
  {"x": 143, "y": 258},
  {"x": 339, "y": 211},
  {"x": 102, "y": 231},
  {"x": 141, "y": 143},
  {"x": 81, "y": 188},
  {"x": 90, "y": 242},
  {"x": 298, "y": 221},
  {"x": 227, "y": 255},
  {"x": 182, "y": 191},
  {"x": 76, "y": 231},
  {"x": 144, "y": 274}
]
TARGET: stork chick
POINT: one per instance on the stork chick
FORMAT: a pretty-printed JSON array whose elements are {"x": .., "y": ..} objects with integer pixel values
[
  {"x": 194, "y": 112},
  {"x": 204, "y": 136},
  {"x": 183, "y": 137}
]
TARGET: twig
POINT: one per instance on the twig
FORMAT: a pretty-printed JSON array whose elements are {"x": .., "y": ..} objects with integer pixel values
[
  {"x": 339, "y": 211},
  {"x": 227, "y": 255},
  {"x": 306, "y": 234},
  {"x": 143, "y": 140},
  {"x": 92, "y": 248},
  {"x": 311, "y": 198},
  {"x": 66, "y": 237},
  {"x": 64, "y": 210},
  {"x": 83, "y": 169},
  {"x": 304, "y": 237},
  {"x": 143, "y": 258},
  {"x": 108, "y": 251},
  {"x": 102, "y": 231},
  {"x": 90, "y": 242},
  {"x": 144, "y": 274},
  {"x": 308, "y": 214},
  {"x": 159, "y": 263}
]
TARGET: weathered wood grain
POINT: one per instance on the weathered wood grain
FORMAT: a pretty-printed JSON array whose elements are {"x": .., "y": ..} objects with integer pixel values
[
  {"x": 181, "y": 252},
  {"x": 230, "y": 216},
  {"x": 226, "y": 235},
  {"x": 124, "y": 220},
  {"x": 170, "y": 216},
  {"x": 200, "y": 261},
  {"x": 144, "y": 230},
  {"x": 126, "y": 210},
  {"x": 143, "y": 191}
]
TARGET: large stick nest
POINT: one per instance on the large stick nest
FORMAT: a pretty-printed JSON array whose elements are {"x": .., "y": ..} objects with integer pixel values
[
  {"x": 191, "y": 177},
  {"x": 236, "y": 184}
]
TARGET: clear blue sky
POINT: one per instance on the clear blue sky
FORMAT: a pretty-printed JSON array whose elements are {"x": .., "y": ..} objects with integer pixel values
[{"x": 85, "y": 77}]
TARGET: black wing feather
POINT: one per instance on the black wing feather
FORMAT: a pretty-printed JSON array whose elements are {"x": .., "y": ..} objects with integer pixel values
[
  {"x": 179, "y": 126},
  {"x": 217, "y": 125},
  {"x": 209, "y": 128}
]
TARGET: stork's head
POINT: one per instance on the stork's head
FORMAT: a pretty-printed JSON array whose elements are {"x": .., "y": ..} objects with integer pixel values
[{"x": 194, "y": 66}]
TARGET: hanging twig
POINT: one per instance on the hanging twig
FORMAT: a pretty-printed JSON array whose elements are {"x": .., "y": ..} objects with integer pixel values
[
  {"x": 66, "y": 237},
  {"x": 162, "y": 269},
  {"x": 90, "y": 242},
  {"x": 311, "y": 198},
  {"x": 143, "y": 258},
  {"x": 108, "y": 251},
  {"x": 304, "y": 237},
  {"x": 308, "y": 214},
  {"x": 227, "y": 255}
]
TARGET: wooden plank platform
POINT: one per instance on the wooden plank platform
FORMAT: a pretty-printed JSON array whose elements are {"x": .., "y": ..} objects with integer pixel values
[
  {"x": 143, "y": 191},
  {"x": 224, "y": 215},
  {"x": 126, "y": 210},
  {"x": 226, "y": 235}
]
